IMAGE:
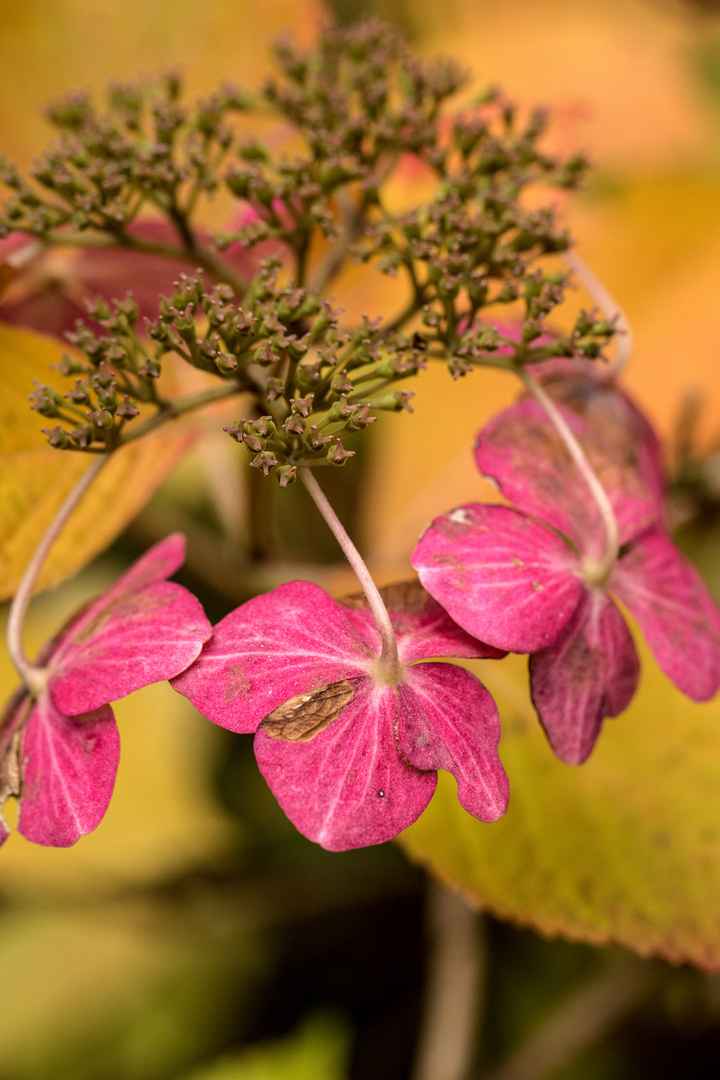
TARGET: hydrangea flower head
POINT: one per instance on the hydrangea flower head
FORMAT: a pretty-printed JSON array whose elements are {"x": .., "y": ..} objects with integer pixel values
[
  {"x": 526, "y": 578},
  {"x": 61, "y": 749},
  {"x": 351, "y": 751}
]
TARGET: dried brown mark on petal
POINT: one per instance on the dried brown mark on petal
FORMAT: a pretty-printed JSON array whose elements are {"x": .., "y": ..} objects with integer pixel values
[
  {"x": 10, "y": 772},
  {"x": 305, "y": 716}
]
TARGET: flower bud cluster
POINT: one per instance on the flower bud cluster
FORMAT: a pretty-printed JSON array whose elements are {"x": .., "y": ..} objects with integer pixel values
[
  {"x": 360, "y": 112},
  {"x": 358, "y": 101},
  {"x": 145, "y": 149}
]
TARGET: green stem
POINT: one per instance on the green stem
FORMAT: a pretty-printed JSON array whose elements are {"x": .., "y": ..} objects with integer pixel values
[
  {"x": 609, "y": 307},
  {"x": 454, "y": 989},
  {"x": 581, "y": 1021}
]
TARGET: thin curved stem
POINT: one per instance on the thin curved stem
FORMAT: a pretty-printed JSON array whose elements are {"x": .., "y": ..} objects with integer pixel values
[
  {"x": 32, "y": 675},
  {"x": 602, "y": 567},
  {"x": 389, "y": 655},
  {"x": 609, "y": 307}
]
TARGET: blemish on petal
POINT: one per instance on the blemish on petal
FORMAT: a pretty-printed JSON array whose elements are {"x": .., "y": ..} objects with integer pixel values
[{"x": 303, "y": 717}]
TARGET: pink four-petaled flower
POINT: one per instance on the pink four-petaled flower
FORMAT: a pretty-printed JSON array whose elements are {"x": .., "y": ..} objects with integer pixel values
[
  {"x": 65, "y": 744},
  {"x": 350, "y": 755},
  {"x": 524, "y": 579}
]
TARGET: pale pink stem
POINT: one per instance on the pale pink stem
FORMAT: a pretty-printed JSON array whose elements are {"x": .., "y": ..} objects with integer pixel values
[
  {"x": 389, "y": 654},
  {"x": 603, "y": 566},
  {"x": 32, "y": 675},
  {"x": 609, "y": 307}
]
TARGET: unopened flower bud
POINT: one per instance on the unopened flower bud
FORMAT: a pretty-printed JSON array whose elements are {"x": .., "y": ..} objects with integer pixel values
[
  {"x": 286, "y": 474},
  {"x": 337, "y": 454},
  {"x": 266, "y": 461},
  {"x": 57, "y": 437}
]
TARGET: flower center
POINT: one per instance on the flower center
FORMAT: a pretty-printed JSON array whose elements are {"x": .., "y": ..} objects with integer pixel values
[
  {"x": 595, "y": 572},
  {"x": 387, "y": 671}
]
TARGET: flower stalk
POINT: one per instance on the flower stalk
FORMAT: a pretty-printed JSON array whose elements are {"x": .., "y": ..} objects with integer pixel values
[
  {"x": 389, "y": 667},
  {"x": 596, "y": 571},
  {"x": 32, "y": 675}
]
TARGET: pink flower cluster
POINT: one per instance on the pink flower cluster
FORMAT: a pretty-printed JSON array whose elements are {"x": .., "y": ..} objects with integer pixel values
[
  {"x": 524, "y": 578},
  {"x": 350, "y": 743},
  {"x": 352, "y": 754}
]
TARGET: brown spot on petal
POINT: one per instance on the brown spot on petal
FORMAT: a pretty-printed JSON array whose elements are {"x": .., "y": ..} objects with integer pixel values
[
  {"x": 305, "y": 716},
  {"x": 237, "y": 683},
  {"x": 10, "y": 773}
]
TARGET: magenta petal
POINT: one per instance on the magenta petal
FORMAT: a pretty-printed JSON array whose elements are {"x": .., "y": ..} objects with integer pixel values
[
  {"x": 521, "y": 451},
  {"x": 674, "y": 610},
  {"x": 283, "y": 643},
  {"x": 614, "y": 419},
  {"x": 70, "y": 764},
  {"x": 448, "y": 720},
  {"x": 503, "y": 577},
  {"x": 348, "y": 787},
  {"x": 142, "y": 638},
  {"x": 158, "y": 563},
  {"x": 590, "y": 672},
  {"x": 141, "y": 630}
]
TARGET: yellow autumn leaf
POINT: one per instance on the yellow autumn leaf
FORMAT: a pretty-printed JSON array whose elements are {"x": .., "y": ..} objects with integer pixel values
[
  {"x": 623, "y": 849},
  {"x": 48, "y": 49},
  {"x": 35, "y": 478}
]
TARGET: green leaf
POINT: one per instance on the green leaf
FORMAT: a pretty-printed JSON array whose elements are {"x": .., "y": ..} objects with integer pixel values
[
  {"x": 317, "y": 1051},
  {"x": 623, "y": 849}
]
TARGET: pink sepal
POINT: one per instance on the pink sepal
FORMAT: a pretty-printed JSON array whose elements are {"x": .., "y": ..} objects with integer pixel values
[
  {"x": 70, "y": 764},
  {"x": 521, "y": 451},
  {"x": 141, "y": 631},
  {"x": 674, "y": 610},
  {"x": 590, "y": 672},
  {"x": 348, "y": 787},
  {"x": 283, "y": 643},
  {"x": 422, "y": 631},
  {"x": 503, "y": 577},
  {"x": 448, "y": 720}
]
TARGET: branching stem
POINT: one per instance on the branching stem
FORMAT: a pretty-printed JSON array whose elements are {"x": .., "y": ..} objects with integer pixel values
[
  {"x": 32, "y": 675},
  {"x": 389, "y": 654},
  {"x": 172, "y": 409}
]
